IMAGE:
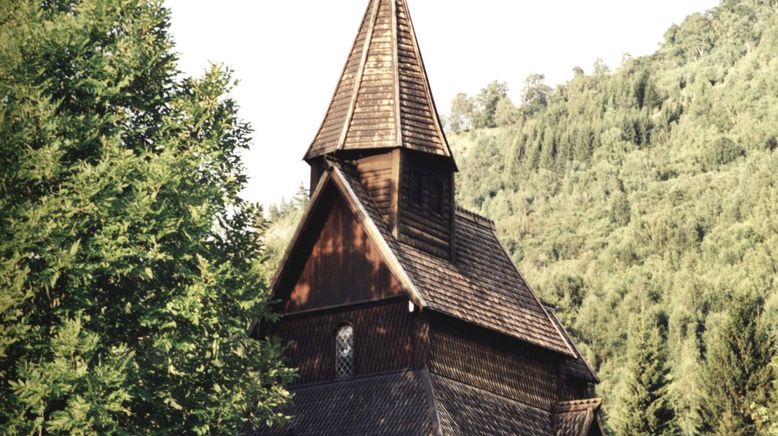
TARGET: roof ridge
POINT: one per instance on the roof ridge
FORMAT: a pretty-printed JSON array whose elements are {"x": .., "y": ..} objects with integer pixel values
[
  {"x": 476, "y": 218},
  {"x": 577, "y": 405},
  {"x": 582, "y": 401}
]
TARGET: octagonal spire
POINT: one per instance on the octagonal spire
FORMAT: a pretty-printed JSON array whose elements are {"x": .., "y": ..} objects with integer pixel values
[{"x": 383, "y": 99}]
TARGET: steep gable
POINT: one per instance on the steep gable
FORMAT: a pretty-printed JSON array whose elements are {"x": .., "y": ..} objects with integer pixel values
[{"x": 335, "y": 262}]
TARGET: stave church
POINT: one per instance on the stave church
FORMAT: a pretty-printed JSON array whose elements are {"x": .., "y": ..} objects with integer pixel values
[{"x": 404, "y": 314}]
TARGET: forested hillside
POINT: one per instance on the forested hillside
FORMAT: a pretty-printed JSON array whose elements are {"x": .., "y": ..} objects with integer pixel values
[{"x": 643, "y": 203}]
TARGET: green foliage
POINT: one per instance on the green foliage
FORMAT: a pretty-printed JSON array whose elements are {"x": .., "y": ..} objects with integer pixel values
[
  {"x": 534, "y": 96},
  {"x": 736, "y": 373},
  {"x": 650, "y": 186},
  {"x": 129, "y": 266},
  {"x": 766, "y": 415},
  {"x": 647, "y": 403},
  {"x": 721, "y": 152},
  {"x": 461, "y": 113},
  {"x": 619, "y": 209},
  {"x": 506, "y": 113},
  {"x": 486, "y": 102}
]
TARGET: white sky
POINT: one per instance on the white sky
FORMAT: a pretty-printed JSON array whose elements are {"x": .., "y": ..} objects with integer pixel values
[{"x": 288, "y": 56}]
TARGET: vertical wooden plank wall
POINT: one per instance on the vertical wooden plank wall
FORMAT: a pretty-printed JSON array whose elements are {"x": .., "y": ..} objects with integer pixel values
[
  {"x": 385, "y": 339},
  {"x": 342, "y": 265}
]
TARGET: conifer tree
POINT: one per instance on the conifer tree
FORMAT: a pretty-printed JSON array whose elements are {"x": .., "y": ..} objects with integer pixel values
[
  {"x": 767, "y": 415},
  {"x": 737, "y": 371},
  {"x": 647, "y": 406},
  {"x": 129, "y": 265}
]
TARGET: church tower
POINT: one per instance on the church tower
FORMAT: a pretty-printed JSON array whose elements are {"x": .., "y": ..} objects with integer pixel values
[
  {"x": 403, "y": 313},
  {"x": 383, "y": 119}
]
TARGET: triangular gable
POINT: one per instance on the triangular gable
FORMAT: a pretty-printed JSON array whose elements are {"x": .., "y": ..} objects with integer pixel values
[
  {"x": 343, "y": 264},
  {"x": 336, "y": 256}
]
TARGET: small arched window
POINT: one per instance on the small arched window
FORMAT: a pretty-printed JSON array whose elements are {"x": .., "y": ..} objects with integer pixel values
[{"x": 344, "y": 352}]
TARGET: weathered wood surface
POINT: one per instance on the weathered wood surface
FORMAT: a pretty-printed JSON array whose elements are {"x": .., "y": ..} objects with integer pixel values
[
  {"x": 341, "y": 264},
  {"x": 383, "y": 99},
  {"x": 385, "y": 339},
  {"x": 421, "y": 224},
  {"x": 494, "y": 363}
]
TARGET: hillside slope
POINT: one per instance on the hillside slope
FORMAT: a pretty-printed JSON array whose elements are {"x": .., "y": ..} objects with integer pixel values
[{"x": 652, "y": 189}]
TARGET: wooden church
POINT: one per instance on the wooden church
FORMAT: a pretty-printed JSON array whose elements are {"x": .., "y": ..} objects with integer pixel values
[{"x": 404, "y": 313}]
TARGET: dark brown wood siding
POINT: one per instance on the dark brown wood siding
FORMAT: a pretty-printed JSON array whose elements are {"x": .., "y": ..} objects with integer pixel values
[
  {"x": 426, "y": 222},
  {"x": 342, "y": 265},
  {"x": 493, "y": 362},
  {"x": 375, "y": 172},
  {"x": 385, "y": 339},
  {"x": 575, "y": 388}
]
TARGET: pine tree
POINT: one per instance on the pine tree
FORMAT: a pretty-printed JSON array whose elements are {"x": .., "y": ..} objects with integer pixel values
[
  {"x": 766, "y": 415},
  {"x": 647, "y": 405},
  {"x": 129, "y": 266},
  {"x": 301, "y": 197},
  {"x": 737, "y": 371}
]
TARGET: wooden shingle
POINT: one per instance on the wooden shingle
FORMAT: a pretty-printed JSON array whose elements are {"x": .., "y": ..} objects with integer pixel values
[
  {"x": 576, "y": 418},
  {"x": 422, "y": 403},
  {"x": 387, "y": 404},
  {"x": 383, "y": 99},
  {"x": 480, "y": 285}
]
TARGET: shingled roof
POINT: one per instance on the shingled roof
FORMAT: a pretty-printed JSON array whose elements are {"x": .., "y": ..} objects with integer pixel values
[
  {"x": 383, "y": 99},
  {"x": 576, "y": 418},
  {"x": 420, "y": 402},
  {"x": 480, "y": 285},
  {"x": 577, "y": 367},
  {"x": 386, "y": 404},
  {"x": 466, "y": 410}
]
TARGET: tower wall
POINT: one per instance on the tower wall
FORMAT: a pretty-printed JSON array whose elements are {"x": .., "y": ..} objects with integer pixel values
[{"x": 426, "y": 198}]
